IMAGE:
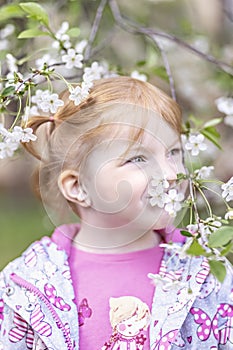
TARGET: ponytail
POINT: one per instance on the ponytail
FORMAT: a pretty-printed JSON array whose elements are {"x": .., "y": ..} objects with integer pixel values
[{"x": 35, "y": 123}]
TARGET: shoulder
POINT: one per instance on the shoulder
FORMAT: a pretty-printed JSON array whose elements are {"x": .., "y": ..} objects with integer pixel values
[{"x": 36, "y": 257}]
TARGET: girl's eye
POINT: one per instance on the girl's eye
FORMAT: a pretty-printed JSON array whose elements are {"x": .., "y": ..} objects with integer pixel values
[
  {"x": 175, "y": 152},
  {"x": 137, "y": 159}
]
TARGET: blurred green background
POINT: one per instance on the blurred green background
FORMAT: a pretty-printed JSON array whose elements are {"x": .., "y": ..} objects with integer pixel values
[
  {"x": 203, "y": 24},
  {"x": 23, "y": 218}
]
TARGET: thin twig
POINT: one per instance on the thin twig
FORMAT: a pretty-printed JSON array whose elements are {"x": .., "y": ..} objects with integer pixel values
[
  {"x": 168, "y": 69},
  {"x": 103, "y": 44},
  {"x": 228, "y": 9},
  {"x": 95, "y": 27}
]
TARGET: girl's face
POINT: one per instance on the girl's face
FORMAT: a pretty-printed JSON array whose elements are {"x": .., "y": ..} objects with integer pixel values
[{"x": 117, "y": 174}]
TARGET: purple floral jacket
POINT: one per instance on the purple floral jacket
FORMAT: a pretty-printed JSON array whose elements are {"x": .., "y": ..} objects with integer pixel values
[{"x": 190, "y": 310}]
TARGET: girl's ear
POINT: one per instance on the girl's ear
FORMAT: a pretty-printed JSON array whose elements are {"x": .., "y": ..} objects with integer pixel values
[{"x": 68, "y": 183}]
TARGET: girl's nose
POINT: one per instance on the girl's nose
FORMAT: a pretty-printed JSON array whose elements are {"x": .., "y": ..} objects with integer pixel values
[
  {"x": 170, "y": 173},
  {"x": 168, "y": 170}
]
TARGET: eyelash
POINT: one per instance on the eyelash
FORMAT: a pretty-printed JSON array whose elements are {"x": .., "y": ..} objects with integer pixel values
[
  {"x": 133, "y": 159},
  {"x": 175, "y": 152}
]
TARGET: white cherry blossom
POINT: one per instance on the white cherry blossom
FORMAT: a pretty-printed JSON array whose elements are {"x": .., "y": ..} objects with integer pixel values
[
  {"x": 195, "y": 144},
  {"x": 159, "y": 196},
  {"x": 44, "y": 59},
  {"x": 157, "y": 190},
  {"x": 51, "y": 103},
  {"x": 79, "y": 47},
  {"x": 136, "y": 75},
  {"x": 204, "y": 172},
  {"x": 23, "y": 135},
  {"x": 4, "y": 45},
  {"x": 94, "y": 72},
  {"x": 79, "y": 93},
  {"x": 228, "y": 190},
  {"x": 11, "y": 81},
  {"x": 46, "y": 101},
  {"x": 228, "y": 120},
  {"x": 229, "y": 215},
  {"x": 62, "y": 36},
  {"x": 39, "y": 96},
  {"x": 11, "y": 62},
  {"x": 6, "y": 31},
  {"x": 72, "y": 59},
  {"x": 3, "y": 131},
  {"x": 173, "y": 199},
  {"x": 225, "y": 105},
  {"x": 7, "y": 148}
]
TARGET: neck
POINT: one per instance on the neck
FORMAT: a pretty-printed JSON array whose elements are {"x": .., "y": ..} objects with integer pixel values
[{"x": 114, "y": 240}]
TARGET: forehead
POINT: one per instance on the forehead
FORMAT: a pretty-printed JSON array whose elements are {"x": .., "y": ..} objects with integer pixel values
[
  {"x": 139, "y": 126},
  {"x": 120, "y": 139}
]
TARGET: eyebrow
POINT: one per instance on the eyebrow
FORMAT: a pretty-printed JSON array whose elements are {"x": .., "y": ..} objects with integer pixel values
[
  {"x": 141, "y": 148},
  {"x": 178, "y": 141}
]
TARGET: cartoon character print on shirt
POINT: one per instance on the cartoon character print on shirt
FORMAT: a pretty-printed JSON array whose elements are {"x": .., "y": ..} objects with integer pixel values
[
  {"x": 84, "y": 311},
  {"x": 221, "y": 325},
  {"x": 129, "y": 318}
]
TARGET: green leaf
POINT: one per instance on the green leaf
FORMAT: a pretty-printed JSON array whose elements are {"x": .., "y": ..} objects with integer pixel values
[
  {"x": 73, "y": 32},
  {"x": 196, "y": 121},
  {"x": 9, "y": 90},
  {"x": 211, "y": 134},
  {"x": 31, "y": 33},
  {"x": 227, "y": 249},
  {"x": 141, "y": 63},
  {"x": 196, "y": 249},
  {"x": 161, "y": 72},
  {"x": 35, "y": 11},
  {"x": 218, "y": 269},
  {"x": 10, "y": 11},
  {"x": 181, "y": 176},
  {"x": 212, "y": 122},
  {"x": 186, "y": 233},
  {"x": 220, "y": 237}
]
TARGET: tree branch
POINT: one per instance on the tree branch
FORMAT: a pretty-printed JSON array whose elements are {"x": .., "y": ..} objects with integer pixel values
[
  {"x": 95, "y": 27},
  {"x": 167, "y": 67},
  {"x": 135, "y": 28},
  {"x": 228, "y": 9}
]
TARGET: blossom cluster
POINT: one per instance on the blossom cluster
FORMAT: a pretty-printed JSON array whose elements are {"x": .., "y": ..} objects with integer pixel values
[
  {"x": 160, "y": 195},
  {"x": 228, "y": 190},
  {"x": 46, "y": 101},
  {"x": 11, "y": 140},
  {"x": 194, "y": 143}
]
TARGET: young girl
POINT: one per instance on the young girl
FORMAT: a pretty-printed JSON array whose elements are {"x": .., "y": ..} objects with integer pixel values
[{"x": 107, "y": 283}]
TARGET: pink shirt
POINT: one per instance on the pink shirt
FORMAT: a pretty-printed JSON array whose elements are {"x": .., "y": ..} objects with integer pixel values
[
  {"x": 113, "y": 293},
  {"x": 99, "y": 277}
]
